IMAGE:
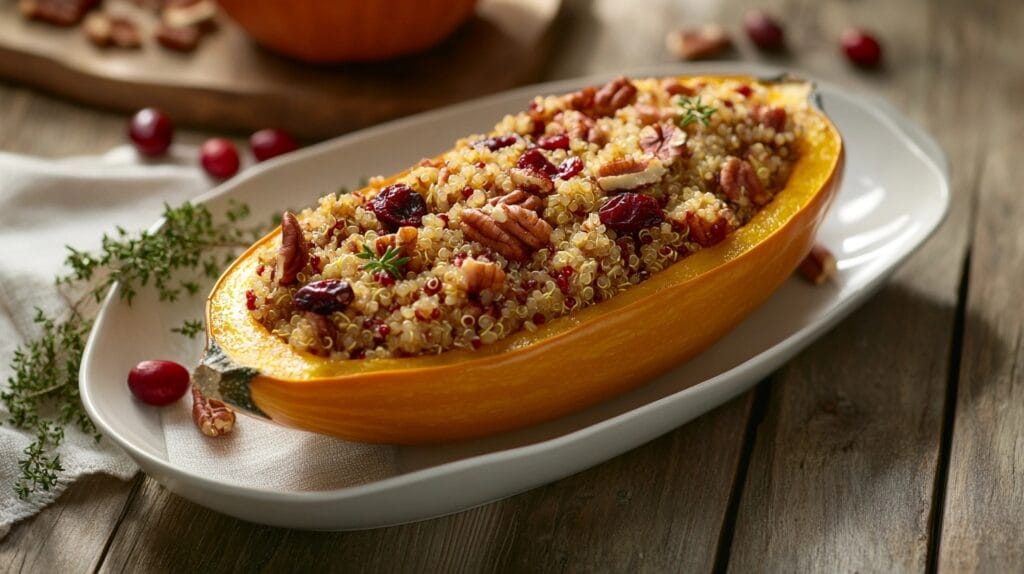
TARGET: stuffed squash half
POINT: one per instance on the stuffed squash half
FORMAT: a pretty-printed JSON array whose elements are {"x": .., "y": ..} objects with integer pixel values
[{"x": 586, "y": 245}]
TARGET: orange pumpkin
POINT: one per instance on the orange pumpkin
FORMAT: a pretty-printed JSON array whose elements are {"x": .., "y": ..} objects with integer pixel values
[
  {"x": 348, "y": 30},
  {"x": 567, "y": 364}
]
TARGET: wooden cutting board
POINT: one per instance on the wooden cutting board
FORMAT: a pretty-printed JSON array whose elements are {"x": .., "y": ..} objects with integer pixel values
[{"x": 230, "y": 83}]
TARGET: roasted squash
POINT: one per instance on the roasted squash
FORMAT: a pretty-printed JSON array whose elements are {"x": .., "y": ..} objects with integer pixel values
[{"x": 529, "y": 377}]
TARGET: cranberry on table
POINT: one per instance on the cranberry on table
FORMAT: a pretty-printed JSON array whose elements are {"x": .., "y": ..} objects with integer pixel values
[
  {"x": 861, "y": 47},
  {"x": 271, "y": 142},
  {"x": 158, "y": 383},
  {"x": 398, "y": 205},
  {"x": 764, "y": 31},
  {"x": 219, "y": 158},
  {"x": 630, "y": 212},
  {"x": 151, "y": 131}
]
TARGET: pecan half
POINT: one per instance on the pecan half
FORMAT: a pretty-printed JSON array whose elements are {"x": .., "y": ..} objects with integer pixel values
[
  {"x": 697, "y": 43},
  {"x": 510, "y": 230},
  {"x": 56, "y": 12},
  {"x": 325, "y": 330},
  {"x": 105, "y": 30},
  {"x": 404, "y": 239},
  {"x": 706, "y": 233},
  {"x": 481, "y": 275},
  {"x": 616, "y": 94},
  {"x": 629, "y": 173},
  {"x": 664, "y": 141},
  {"x": 818, "y": 266},
  {"x": 770, "y": 116},
  {"x": 532, "y": 180},
  {"x": 738, "y": 180},
  {"x": 179, "y": 39},
  {"x": 189, "y": 13},
  {"x": 212, "y": 417},
  {"x": 520, "y": 198},
  {"x": 292, "y": 255}
]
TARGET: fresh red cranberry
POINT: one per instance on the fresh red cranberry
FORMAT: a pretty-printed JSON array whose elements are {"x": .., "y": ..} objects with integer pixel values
[
  {"x": 383, "y": 330},
  {"x": 158, "y": 382},
  {"x": 630, "y": 212},
  {"x": 219, "y": 158},
  {"x": 861, "y": 48},
  {"x": 497, "y": 142},
  {"x": 764, "y": 31},
  {"x": 151, "y": 131},
  {"x": 271, "y": 142},
  {"x": 560, "y": 141},
  {"x": 570, "y": 167},
  {"x": 535, "y": 160},
  {"x": 324, "y": 297},
  {"x": 250, "y": 300},
  {"x": 397, "y": 205},
  {"x": 384, "y": 278}
]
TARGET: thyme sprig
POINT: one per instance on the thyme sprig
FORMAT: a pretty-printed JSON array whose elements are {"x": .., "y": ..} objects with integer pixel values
[
  {"x": 694, "y": 111},
  {"x": 42, "y": 393},
  {"x": 389, "y": 263}
]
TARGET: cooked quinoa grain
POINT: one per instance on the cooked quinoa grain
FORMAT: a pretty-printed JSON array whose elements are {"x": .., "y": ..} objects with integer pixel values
[{"x": 562, "y": 206}]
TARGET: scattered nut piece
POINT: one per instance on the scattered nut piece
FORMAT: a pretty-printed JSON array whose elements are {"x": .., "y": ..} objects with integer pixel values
[
  {"x": 771, "y": 116},
  {"x": 292, "y": 256},
  {"x": 105, "y": 30},
  {"x": 56, "y": 12},
  {"x": 212, "y": 417},
  {"x": 664, "y": 141},
  {"x": 481, "y": 275},
  {"x": 325, "y": 330},
  {"x": 629, "y": 173},
  {"x": 706, "y": 233},
  {"x": 697, "y": 43},
  {"x": 738, "y": 180},
  {"x": 819, "y": 265},
  {"x": 404, "y": 239},
  {"x": 183, "y": 39},
  {"x": 187, "y": 13},
  {"x": 532, "y": 180}
]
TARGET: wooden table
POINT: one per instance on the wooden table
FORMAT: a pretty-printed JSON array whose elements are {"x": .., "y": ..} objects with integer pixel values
[{"x": 894, "y": 443}]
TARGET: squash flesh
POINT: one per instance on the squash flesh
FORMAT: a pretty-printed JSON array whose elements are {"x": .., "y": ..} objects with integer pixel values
[{"x": 565, "y": 365}]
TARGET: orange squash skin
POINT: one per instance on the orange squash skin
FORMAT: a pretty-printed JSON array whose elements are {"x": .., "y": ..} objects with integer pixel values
[
  {"x": 564, "y": 366},
  {"x": 324, "y": 31}
]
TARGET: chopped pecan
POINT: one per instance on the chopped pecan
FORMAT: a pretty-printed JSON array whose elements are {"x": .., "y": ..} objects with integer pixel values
[
  {"x": 629, "y": 173},
  {"x": 532, "y": 180},
  {"x": 616, "y": 94},
  {"x": 292, "y": 255},
  {"x": 664, "y": 141},
  {"x": 183, "y": 39},
  {"x": 325, "y": 331},
  {"x": 648, "y": 114},
  {"x": 404, "y": 239},
  {"x": 56, "y": 12},
  {"x": 583, "y": 100},
  {"x": 770, "y": 116},
  {"x": 520, "y": 198},
  {"x": 674, "y": 88},
  {"x": 818, "y": 266},
  {"x": 105, "y": 30},
  {"x": 697, "y": 43},
  {"x": 738, "y": 179},
  {"x": 481, "y": 275},
  {"x": 189, "y": 13},
  {"x": 213, "y": 417},
  {"x": 706, "y": 233},
  {"x": 510, "y": 230}
]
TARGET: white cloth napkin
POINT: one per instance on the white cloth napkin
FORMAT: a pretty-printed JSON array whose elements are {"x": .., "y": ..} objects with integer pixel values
[{"x": 45, "y": 205}]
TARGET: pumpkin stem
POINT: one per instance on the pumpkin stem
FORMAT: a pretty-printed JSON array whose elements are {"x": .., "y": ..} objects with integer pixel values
[{"x": 218, "y": 377}]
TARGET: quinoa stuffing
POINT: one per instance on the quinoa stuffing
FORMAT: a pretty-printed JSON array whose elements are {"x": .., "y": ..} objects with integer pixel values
[{"x": 562, "y": 206}]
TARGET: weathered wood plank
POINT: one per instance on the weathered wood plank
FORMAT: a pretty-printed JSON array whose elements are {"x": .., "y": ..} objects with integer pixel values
[
  {"x": 843, "y": 474},
  {"x": 658, "y": 508},
  {"x": 983, "y": 517}
]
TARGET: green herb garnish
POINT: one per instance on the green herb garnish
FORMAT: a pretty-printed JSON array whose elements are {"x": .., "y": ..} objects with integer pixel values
[
  {"x": 694, "y": 111},
  {"x": 42, "y": 393},
  {"x": 389, "y": 263}
]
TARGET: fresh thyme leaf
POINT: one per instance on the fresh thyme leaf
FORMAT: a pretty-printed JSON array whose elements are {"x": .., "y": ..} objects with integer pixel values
[
  {"x": 190, "y": 328},
  {"x": 694, "y": 111},
  {"x": 42, "y": 393},
  {"x": 389, "y": 263}
]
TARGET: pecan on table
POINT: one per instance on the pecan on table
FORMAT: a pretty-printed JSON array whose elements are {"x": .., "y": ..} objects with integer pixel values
[
  {"x": 697, "y": 43},
  {"x": 56, "y": 12},
  {"x": 179, "y": 39},
  {"x": 520, "y": 198},
  {"x": 664, "y": 141},
  {"x": 818, "y": 266},
  {"x": 105, "y": 30},
  {"x": 212, "y": 417},
  {"x": 292, "y": 256},
  {"x": 481, "y": 275},
  {"x": 510, "y": 230},
  {"x": 738, "y": 180}
]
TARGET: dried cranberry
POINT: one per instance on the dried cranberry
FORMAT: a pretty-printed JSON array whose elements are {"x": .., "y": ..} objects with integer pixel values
[
  {"x": 324, "y": 297},
  {"x": 158, "y": 382},
  {"x": 383, "y": 330},
  {"x": 630, "y": 212},
  {"x": 398, "y": 205},
  {"x": 535, "y": 160},
  {"x": 530, "y": 284},
  {"x": 151, "y": 131},
  {"x": 250, "y": 300},
  {"x": 570, "y": 167},
  {"x": 384, "y": 278},
  {"x": 764, "y": 31},
  {"x": 539, "y": 318},
  {"x": 570, "y": 302},
  {"x": 476, "y": 342},
  {"x": 497, "y": 142},
  {"x": 861, "y": 48},
  {"x": 745, "y": 91},
  {"x": 560, "y": 141},
  {"x": 563, "y": 283},
  {"x": 270, "y": 142}
]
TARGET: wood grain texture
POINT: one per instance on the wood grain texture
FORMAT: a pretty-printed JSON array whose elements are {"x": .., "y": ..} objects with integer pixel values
[
  {"x": 983, "y": 518},
  {"x": 658, "y": 508}
]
